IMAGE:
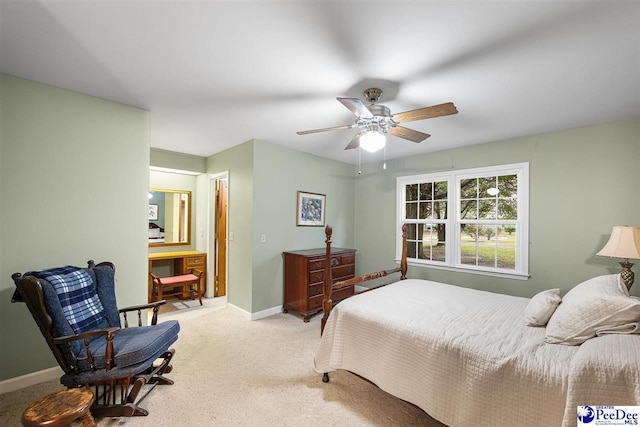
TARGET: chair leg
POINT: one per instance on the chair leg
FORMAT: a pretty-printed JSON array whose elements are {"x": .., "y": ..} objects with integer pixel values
[
  {"x": 195, "y": 290},
  {"x": 157, "y": 372},
  {"x": 108, "y": 404}
]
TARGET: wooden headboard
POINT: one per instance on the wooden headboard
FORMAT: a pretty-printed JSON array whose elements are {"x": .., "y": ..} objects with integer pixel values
[{"x": 328, "y": 286}]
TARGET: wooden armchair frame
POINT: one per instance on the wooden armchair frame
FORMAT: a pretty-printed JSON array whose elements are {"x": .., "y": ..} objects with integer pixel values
[{"x": 115, "y": 395}]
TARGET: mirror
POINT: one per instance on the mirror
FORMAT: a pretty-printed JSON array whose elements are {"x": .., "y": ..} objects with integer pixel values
[{"x": 169, "y": 217}]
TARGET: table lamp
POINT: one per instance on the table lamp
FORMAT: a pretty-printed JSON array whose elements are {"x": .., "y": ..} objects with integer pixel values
[{"x": 624, "y": 243}]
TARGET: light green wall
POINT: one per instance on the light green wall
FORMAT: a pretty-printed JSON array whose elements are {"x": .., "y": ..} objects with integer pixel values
[
  {"x": 177, "y": 161},
  {"x": 73, "y": 185},
  {"x": 263, "y": 183},
  {"x": 582, "y": 182},
  {"x": 280, "y": 173},
  {"x": 238, "y": 161}
]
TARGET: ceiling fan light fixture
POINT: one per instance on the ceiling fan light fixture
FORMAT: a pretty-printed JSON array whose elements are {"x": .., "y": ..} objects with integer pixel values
[{"x": 372, "y": 141}]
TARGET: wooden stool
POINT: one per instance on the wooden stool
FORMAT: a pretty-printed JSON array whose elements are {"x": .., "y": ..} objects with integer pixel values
[
  {"x": 61, "y": 409},
  {"x": 191, "y": 280}
]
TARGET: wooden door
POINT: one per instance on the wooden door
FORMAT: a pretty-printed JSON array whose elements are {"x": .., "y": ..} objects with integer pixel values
[{"x": 221, "y": 239}]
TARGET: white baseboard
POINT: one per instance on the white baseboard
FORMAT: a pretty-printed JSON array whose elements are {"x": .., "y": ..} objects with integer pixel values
[
  {"x": 17, "y": 383},
  {"x": 266, "y": 313},
  {"x": 260, "y": 314}
]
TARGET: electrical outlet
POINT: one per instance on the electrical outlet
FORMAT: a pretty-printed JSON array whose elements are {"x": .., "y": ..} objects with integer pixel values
[{"x": 231, "y": 235}]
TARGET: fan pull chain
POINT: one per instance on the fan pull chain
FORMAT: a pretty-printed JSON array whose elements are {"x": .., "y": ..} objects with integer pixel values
[
  {"x": 359, "y": 160},
  {"x": 384, "y": 157}
]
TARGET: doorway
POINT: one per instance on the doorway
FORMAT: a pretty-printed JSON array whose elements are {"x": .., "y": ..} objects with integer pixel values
[{"x": 218, "y": 248}]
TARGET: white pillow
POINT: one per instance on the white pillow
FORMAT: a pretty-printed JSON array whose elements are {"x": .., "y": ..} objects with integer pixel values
[
  {"x": 541, "y": 307},
  {"x": 596, "y": 305}
]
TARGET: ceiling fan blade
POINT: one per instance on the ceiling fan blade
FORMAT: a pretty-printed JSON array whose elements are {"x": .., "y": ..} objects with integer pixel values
[
  {"x": 356, "y": 107},
  {"x": 406, "y": 133},
  {"x": 355, "y": 142},
  {"x": 305, "y": 132},
  {"x": 425, "y": 113}
]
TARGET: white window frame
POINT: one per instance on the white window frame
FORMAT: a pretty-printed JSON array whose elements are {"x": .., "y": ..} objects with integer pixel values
[{"x": 453, "y": 222}]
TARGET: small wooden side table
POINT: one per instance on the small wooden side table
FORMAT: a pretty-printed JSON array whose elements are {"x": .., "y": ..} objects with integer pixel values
[{"x": 61, "y": 409}]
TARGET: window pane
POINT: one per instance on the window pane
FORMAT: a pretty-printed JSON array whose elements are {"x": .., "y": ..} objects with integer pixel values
[
  {"x": 412, "y": 192},
  {"x": 438, "y": 244},
  {"x": 440, "y": 210},
  {"x": 412, "y": 210},
  {"x": 411, "y": 249},
  {"x": 469, "y": 188},
  {"x": 508, "y": 185},
  {"x": 487, "y": 209},
  {"x": 426, "y": 210},
  {"x": 486, "y": 249},
  {"x": 507, "y": 208},
  {"x": 411, "y": 232},
  {"x": 485, "y": 184},
  {"x": 506, "y": 247},
  {"x": 440, "y": 190},
  {"x": 423, "y": 253},
  {"x": 469, "y": 209},
  {"x": 425, "y": 191},
  {"x": 468, "y": 240}
]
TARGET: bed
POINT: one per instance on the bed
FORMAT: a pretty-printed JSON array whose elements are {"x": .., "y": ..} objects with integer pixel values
[
  {"x": 466, "y": 357},
  {"x": 156, "y": 233}
]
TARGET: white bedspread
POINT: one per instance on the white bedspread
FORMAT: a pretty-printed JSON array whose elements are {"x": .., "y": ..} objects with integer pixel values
[{"x": 467, "y": 359}]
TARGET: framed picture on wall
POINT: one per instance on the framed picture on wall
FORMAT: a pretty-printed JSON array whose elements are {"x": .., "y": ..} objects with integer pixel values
[
  {"x": 310, "y": 211},
  {"x": 153, "y": 212}
]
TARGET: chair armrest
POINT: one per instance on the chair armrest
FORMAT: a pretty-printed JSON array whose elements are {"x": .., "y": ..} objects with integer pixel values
[
  {"x": 152, "y": 305},
  {"x": 143, "y": 306},
  {"x": 65, "y": 342},
  {"x": 85, "y": 335}
]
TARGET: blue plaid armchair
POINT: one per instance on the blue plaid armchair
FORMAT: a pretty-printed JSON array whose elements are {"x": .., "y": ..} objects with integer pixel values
[{"x": 75, "y": 309}]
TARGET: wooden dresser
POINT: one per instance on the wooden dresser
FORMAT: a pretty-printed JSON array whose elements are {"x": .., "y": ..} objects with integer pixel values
[
  {"x": 181, "y": 263},
  {"x": 304, "y": 275}
]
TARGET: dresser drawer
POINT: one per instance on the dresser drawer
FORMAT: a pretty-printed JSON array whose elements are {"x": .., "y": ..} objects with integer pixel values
[
  {"x": 318, "y": 263},
  {"x": 194, "y": 261},
  {"x": 316, "y": 276},
  {"x": 348, "y": 259},
  {"x": 316, "y": 302},
  {"x": 315, "y": 290},
  {"x": 341, "y": 272}
]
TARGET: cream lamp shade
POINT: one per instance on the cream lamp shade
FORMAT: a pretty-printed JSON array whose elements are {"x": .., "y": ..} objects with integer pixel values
[{"x": 623, "y": 243}]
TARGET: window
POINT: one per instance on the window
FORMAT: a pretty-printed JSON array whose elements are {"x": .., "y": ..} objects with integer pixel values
[{"x": 474, "y": 219}]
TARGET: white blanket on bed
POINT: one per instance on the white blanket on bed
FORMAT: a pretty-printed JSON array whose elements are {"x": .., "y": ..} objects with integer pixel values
[{"x": 467, "y": 359}]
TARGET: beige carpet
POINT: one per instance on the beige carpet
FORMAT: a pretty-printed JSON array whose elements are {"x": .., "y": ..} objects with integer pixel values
[{"x": 230, "y": 371}]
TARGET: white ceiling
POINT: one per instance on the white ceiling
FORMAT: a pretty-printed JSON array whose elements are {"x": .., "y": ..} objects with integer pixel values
[{"x": 215, "y": 74}]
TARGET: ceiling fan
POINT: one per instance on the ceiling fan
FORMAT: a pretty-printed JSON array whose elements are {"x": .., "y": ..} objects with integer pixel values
[{"x": 375, "y": 120}]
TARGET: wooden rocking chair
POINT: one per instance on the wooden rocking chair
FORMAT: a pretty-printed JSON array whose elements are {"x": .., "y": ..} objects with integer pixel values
[{"x": 93, "y": 350}]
